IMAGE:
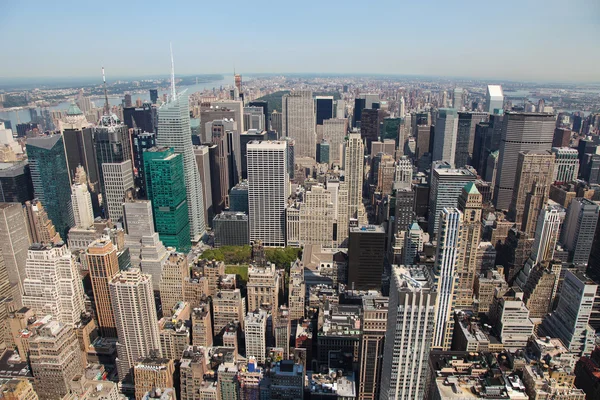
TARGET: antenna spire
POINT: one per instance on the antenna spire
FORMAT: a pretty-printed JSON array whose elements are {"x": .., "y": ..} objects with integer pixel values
[
  {"x": 106, "y": 105},
  {"x": 173, "y": 91}
]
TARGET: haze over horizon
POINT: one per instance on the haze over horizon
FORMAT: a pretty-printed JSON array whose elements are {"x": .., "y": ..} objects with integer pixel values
[{"x": 513, "y": 41}]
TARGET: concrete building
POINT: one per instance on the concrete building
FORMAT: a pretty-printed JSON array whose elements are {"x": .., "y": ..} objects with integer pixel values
[
  {"x": 315, "y": 218},
  {"x": 228, "y": 306},
  {"x": 263, "y": 287},
  {"x": 103, "y": 264},
  {"x": 52, "y": 284},
  {"x": 298, "y": 121},
  {"x": 413, "y": 243},
  {"x": 255, "y": 330},
  {"x": 203, "y": 163},
  {"x": 578, "y": 231},
  {"x": 374, "y": 320},
  {"x": 465, "y": 139},
  {"x": 202, "y": 333},
  {"x": 135, "y": 316},
  {"x": 404, "y": 173},
  {"x": 485, "y": 286},
  {"x": 39, "y": 227},
  {"x": 152, "y": 373},
  {"x": 55, "y": 359},
  {"x": 510, "y": 318},
  {"x": 83, "y": 212},
  {"x": 409, "y": 333},
  {"x": 444, "y": 140},
  {"x": 494, "y": 97},
  {"x": 353, "y": 168},
  {"x": 118, "y": 180},
  {"x": 195, "y": 379},
  {"x": 174, "y": 131},
  {"x": 287, "y": 380},
  {"x": 445, "y": 269},
  {"x": 268, "y": 190},
  {"x": 334, "y": 131},
  {"x": 297, "y": 292},
  {"x": 14, "y": 244},
  {"x": 566, "y": 167},
  {"x": 172, "y": 278},
  {"x": 231, "y": 229},
  {"x": 366, "y": 251},
  {"x": 520, "y": 132},
  {"x": 174, "y": 331}
]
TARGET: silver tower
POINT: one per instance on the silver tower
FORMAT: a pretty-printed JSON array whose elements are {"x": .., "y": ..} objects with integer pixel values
[{"x": 174, "y": 131}]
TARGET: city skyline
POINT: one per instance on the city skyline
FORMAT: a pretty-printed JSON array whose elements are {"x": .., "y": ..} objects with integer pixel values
[{"x": 393, "y": 36}]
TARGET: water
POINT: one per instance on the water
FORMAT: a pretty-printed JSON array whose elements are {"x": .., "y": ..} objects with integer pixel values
[{"x": 24, "y": 116}]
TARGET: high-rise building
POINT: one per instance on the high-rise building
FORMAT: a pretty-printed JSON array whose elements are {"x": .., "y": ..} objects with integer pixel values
[
  {"x": 174, "y": 131},
  {"x": 165, "y": 185},
  {"x": 353, "y": 168},
  {"x": 520, "y": 132},
  {"x": 374, "y": 320},
  {"x": 404, "y": 173},
  {"x": 323, "y": 108},
  {"x": 578, "y": 231},
  {"x": 135, "y": 316},
  {"x": 323, "y": 152},
  {"x": 255, "y": 330},
  {"x": 532, "y": 185},
  {"x": 268, "y": 190},
  {"x": 202, "y": 334},
  {"x": 81, "y": 201},
  {"x": 469, "y": 203},
  {"x": 203, "y": 162},
  {"x": 112, "y": 143},
  {"x": 446, "y": 186},
  {"x": 494, "y": 97},
  {"x": 55, "y": 360},
  {"x": 297, "y": 292},
  {"x": 152, "y": 373},
  {"x": 231, "y": 229},
  {"x": 228, "y": 306},
  {"x": 298, "y": 121},
  {"x": 547, "y": 232},
  {"x": 78, "y": 141},
  {"x": 334, "y": 131},
  {"x": 265, "y": 110},
  {"x": 566, "y": 167},
  {"x": 369, "y": 126},
  {"x": 263, "y": 287},
  {"x": 277, "y": 123},
  {"x": 315, "y": 218},
  {"x": 39, "y": 227},
  {"x": 141, "y": 141},
  {"x": 103, "y": 263},
  {"x": 14, "y": 244},
  {"x": 143, "y": 117},
  {"x": 446, "y": 272},
  {"x": 413, "y": 243},
  {"x": 359, "y": 106},
  {"x": 510, "y": 318},
  {"x": 465, "y": 139},
  {"x": 51, "y": 179},
  {"x": 172, "y": 279},
  {"x": 457, "y": 98},
  {"x": 52, "y": 284},
  {"x": 409, "y": 333},
  {"x": 444, "y": 140},
  {"x": 570, "y": 320},
  {"x": 562, "y": 137},
  {"x": 15, "y": 182},
  {"x": 118, "y": 180},
  {"x": 366, "y": 250}
]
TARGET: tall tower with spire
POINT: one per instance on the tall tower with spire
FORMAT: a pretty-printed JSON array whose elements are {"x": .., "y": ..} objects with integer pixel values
[{"x": 174, "y": 131}]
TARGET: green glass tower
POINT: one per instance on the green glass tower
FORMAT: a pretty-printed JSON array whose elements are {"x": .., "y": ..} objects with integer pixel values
[
  {"x": 165, "y": 185},
  {"x": 50, "y": 177}
]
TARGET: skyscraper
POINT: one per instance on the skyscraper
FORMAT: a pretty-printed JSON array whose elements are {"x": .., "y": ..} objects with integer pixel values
[
  {"x": 51, "y": 182},
  {"x": 578, "y": 230},
  {"x": 366, "y": 250},
  {"x": 445, "y": 269},
  {"x": 324, "y": 108},
  {"x": 334, "y": 131},
  {"x": 457, "y": 98},
  {"x": 374, "y": 320},
  {"x": 118, "y": 180},
  {"x": 135, "y": 317},
  {"x": 165, "y": 187},
  {"x": 353, "y": 168},
  {"x": 465, "y": 139},
  {"x": 494, "y": 97},
  {"x": 520, "y": 132},
  {"x": 255, "y": 327},
  {"x": 369, "y": 126},
  {"x": 78, "y": 140},
  {"x": 532, "y": 185},
  {"x": 298, "y": 120},
  {"x": 173, "y": 274},
  {"x": 82, "y": 205},
  {"x": 103, "y": 263},
  {"x": 15, "y": 182},
  {"x": 141, "y": 141},
  {"x": 53, "y": 285},
  {"x": 268, "y": 190},
  {"x": 14, "y": 244},
  {"x": 174, "y": 131},
  {"x": 112, "y": 143},
  {"x": 444, "y": 140},
  {"x": 409, "y": 331},
  {"x": 566, "y": 166}
]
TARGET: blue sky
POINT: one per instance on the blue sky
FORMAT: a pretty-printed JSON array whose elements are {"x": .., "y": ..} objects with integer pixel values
[{"x": 520, "y": 40}]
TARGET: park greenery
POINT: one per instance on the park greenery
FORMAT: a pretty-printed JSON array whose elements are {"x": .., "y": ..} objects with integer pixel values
[{"x": 233, "y": 255}]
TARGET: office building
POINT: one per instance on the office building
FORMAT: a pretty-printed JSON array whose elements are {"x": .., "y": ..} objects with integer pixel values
[
  {"x": 231, "y": 229},
  {"x": 445, "y": 137},
  {"x": 532, "y": 185},
  {"x": 578, "y": 230},
  {"x": 566, "y": 168},
  {"x": 298, "y": 121},
  {"x": 255, "y": 330},
  {"x": 103, "y": 263},
  {"x": 51, "y": 179},
  {"x": 359, "y": 106},
  {"x": 203, "y": 162},
  {"x": 55, "y": 360},
  {"x": 369, "y": 126},
  {"x": 152, "y": 373},
  {"x": 494, "y": 99},
  {"x": 245, "y": 138},
  {"x": 263, "y": 287},
  {"x": 448, "y": 255},
  {"x": 228, "y": 306},
  {"x": 174, "y": 131},
  {"x": 366, "y": 250},
  {"x": 287, "y": 380},
  {"x": 143, "y": 117},
  {"x": 353, "y": 168},
  {"x": 265, "y": 110},
  {"x": 165, "y": 184},
  {"x": 323, "y": 152},
  {"x": 202, "y": 333},
  {"x": 14, "y": 244},
  {"x": 374, "y": 320},
  {"x": 219, "y": 170},
  {"x": 268, "y": 190},
  {"x": 277, "y": 123},
  {"x": 297, "y": 292},
  {"x": 424, "y": 140},
  {"x": 510, "y": 319},
  {"x": 118, "y": 180},
  {"x": 323, "y": 108},
  {"x": 570, "y": 320},
  {"x": 457, "y": 98},
  {"x": 112, "y": 143},
  {"x": 140, "y": 142},
  {"x": 465, "y": 139},
  {"x": 135, "y": 316},
  {"x": 171, "y": 285},
  {"x": 52, "y": 284},
  {"x": 79, "y": 144},
  {"x": 334, "y": 131},
  {"x": 15, "y": 182},
  {"x": 39, "y": 227},
  {"x": 562, "y": 137},
  {"x": 520, "y": 132},
  {"x": 315, "y": 218},
  {"x": 446, "y": 186},
  {"x": 547, "y": 232},
  {"x": 83, "y": 214},
  {"x": 409, "y": 331},
  {"x": 238, "y": 197}
]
